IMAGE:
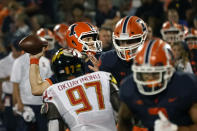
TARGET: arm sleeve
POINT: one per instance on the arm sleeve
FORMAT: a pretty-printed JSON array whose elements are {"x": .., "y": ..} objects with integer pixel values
[
  {"x": 16, "y": 72},
  {"x": 2, "y": 69}
]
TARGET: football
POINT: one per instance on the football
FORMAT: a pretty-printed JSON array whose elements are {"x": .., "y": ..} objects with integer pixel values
[{"x": 33, "y": 44}]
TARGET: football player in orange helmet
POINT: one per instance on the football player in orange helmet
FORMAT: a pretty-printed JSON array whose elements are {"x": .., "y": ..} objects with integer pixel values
[
  {"x": 151, "y": 69},
  {"x": 48, "y": 35},
  {"x": 155, "y": 88},
  {"x": 130, "y": 32},
  {"x": 83, "y": 36},
  {"x": 191, "y": 40},
  {"x": 60, "y": 34},
  {"x": 173, "y": 32}
]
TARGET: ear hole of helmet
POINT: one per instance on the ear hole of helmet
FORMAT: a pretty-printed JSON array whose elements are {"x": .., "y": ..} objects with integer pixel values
[{"x": 74, "y": 43}]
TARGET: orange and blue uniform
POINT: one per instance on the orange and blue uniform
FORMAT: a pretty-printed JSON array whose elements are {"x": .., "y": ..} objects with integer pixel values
[{"x": 175, "y": 101}]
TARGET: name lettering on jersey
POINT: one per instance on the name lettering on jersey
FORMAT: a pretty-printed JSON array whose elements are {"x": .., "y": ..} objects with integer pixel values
[
  {"x": 67, "y": 85},
  {"x": 89, "y": 78},
  {"x": 72, "y": 83}
]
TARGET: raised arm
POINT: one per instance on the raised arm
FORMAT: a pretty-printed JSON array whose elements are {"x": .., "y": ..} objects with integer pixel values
[{"x": 38, "y": 86}]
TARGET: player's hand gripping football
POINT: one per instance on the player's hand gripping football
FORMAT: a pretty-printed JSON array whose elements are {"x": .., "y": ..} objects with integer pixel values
[
  {"x": 39, "y": 54},
  {"x": 163, "y": 124}
]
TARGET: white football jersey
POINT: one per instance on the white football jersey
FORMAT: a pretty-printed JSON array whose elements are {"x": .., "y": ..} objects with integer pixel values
[{"x": 84, "y": 102}]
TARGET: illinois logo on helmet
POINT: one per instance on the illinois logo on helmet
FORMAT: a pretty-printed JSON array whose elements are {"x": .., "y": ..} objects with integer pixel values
[
  {"x": 173, "y": 32},
  {"x": 153, "y": 67},
  {"x": 48, "y": 35},
  {"x": 191, "y": 38},
  {"x": 83, "y": 36},
  {"x": 129, "y": 33},
  {"x": 60, "y": 34}
]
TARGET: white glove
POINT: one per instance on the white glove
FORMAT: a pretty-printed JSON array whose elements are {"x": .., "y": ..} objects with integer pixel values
[
  {"x": 28, "y": 114},
  {"x": 163, "y": 124}
]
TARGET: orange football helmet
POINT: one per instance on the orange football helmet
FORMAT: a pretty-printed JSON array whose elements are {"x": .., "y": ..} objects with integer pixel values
[
  {"x": 60, "y": 34},
  {"x": 153, "y": 67},
  {"x": 173, "y": 32},
  {"x": 191, "y": 38},
  {"x": 48, "y": 35},
  {"x": 129, "y": 33},
  {"x": 80, "y": 30}
]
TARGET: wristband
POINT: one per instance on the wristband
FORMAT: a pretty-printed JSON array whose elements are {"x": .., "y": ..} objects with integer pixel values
[{"x": 34, "y": 61}]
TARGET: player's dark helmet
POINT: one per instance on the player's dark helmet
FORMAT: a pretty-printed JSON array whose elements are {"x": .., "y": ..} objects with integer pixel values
[{"x": 67, "y": 63}]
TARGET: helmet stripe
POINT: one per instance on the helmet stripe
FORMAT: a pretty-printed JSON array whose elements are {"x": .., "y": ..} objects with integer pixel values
[
  {"x": 72, "y": 30},
  {"x": 125, "y": 24},
  {"x": 148, "y": 51},
  {"x": 90, "y": 26}
]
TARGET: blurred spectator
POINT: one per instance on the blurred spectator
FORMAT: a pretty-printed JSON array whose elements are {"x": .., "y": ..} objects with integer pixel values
[
  {"x": 6, "y": 86},
  {"x": 190, "y": 14},
  {"x": 21, "y": 24},
  {"x": 152, "y": 12},
  {"x": 7, "y": 25},
  {"x": 4, "y": 11},
  {"x": 181, "y": 6},
  {"x": 181, "y": 55},
  {"x": 105, "y": 35},
  {"x": 47, "y": 8},
  {"x": 133, "y": 5},
  {"x": 174, "y": 16},
  {"x": 36, "y": 22},
  {"x": 104, "y": 11},
  {"x": 77, "y": 13},
  {"x": 111, "y": 23}
]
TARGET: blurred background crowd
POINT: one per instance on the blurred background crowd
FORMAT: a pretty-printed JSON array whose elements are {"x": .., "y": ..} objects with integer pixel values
[{"x": 24, "y": 16}]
